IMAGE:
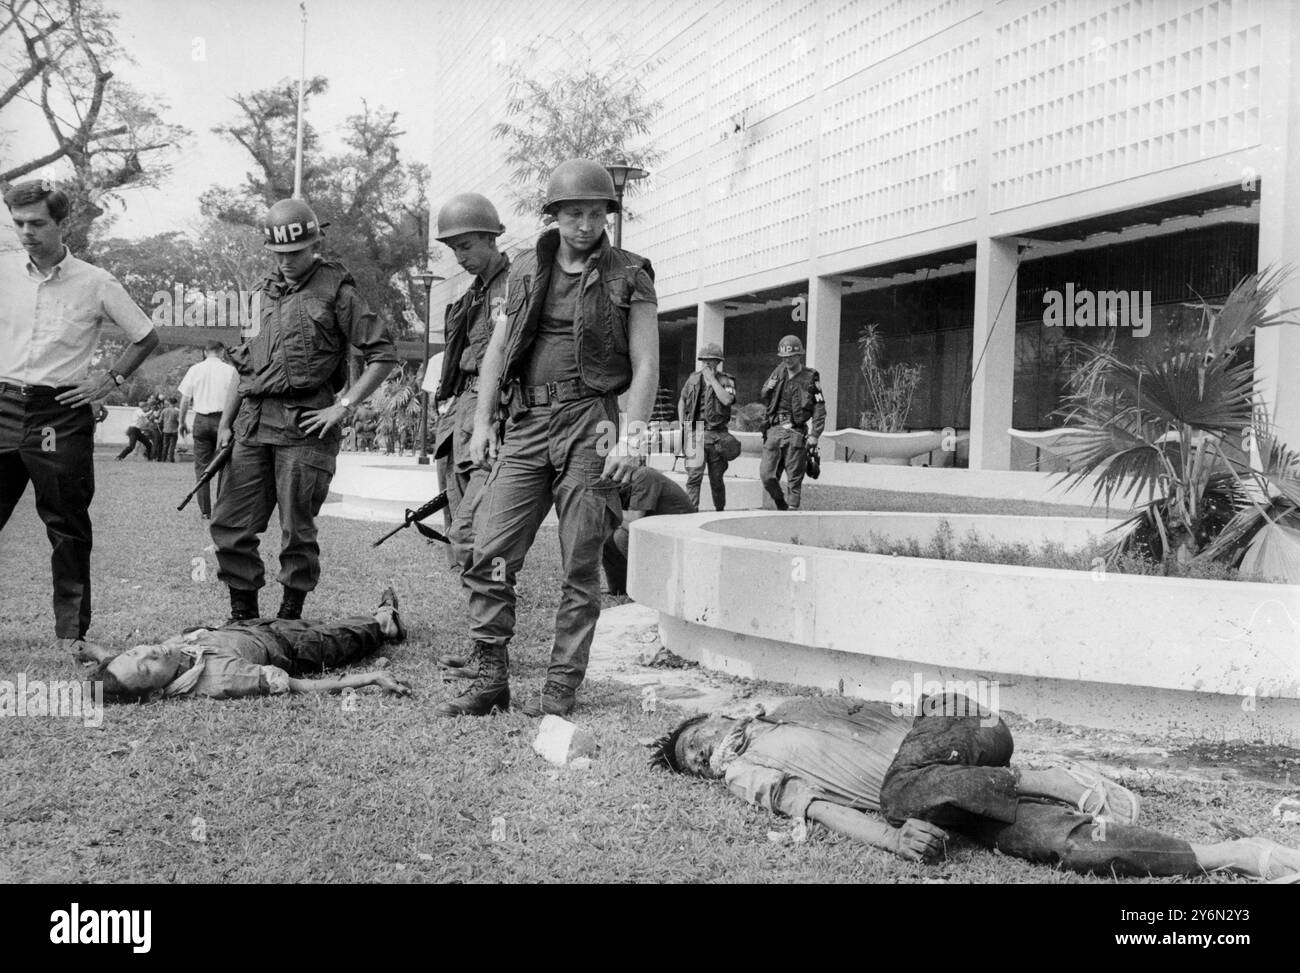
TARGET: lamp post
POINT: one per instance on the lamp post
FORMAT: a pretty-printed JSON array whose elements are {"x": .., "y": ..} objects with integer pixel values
[
  {"x": 428, "y": 279},
  {"x": 622, "y": 174}
]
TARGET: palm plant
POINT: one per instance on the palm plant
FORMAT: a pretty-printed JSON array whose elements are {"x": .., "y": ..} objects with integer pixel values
[
  {"x": 889, "y": 390},
  {"x": 397, "y": 403},
  {"x": 1167, "y": 427}
]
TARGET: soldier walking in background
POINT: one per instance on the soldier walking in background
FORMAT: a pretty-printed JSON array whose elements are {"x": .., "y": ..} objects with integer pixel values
[
  {"x": 704, "y": 411},
  {"x": 795, "y": 418}
]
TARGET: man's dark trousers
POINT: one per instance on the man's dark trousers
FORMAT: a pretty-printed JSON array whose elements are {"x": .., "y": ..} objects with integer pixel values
[
  {"x": 205, "y": 447},
  {"x": 715, "y": 463},
  {"x": 783, "y": 449},
  {"x": 293, "y": 479},
  {"x": 53, "y": 446}
]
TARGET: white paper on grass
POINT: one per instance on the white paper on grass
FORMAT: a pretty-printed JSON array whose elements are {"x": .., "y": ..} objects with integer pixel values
[{"x": 558, "y": 741}]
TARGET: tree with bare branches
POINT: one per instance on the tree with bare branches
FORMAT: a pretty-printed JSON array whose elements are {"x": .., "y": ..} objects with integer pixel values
[{"x": 57, "y": 56}]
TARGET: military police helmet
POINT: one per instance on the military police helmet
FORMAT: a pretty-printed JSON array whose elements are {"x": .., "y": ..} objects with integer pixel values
[
  {"x": 290, "y": 225},
  {"x": 711, "y": 351},
  {"x": 790, "y": 345},
  {"x": 468, "y": 213},
  {"x": 580, "y": 179}
]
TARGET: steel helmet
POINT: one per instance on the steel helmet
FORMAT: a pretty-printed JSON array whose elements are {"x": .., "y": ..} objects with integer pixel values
[
  {"x": 790, "y": 345},
  {"x": 468, "y": 213},
  {"x": 711, "y": 350},
  {"x": 580, "y": 179},
  {"x": 290, "y": 225}
]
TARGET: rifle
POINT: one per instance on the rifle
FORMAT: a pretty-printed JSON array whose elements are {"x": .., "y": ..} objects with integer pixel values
[
  {"x": 212, "y": 469},
  {"x": 415, "y": 516}
]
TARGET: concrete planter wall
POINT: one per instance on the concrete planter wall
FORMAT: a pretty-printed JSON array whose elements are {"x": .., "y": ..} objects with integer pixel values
[{"x": 735, "y": 593}]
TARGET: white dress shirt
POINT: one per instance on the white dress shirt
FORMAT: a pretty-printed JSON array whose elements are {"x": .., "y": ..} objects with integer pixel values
[
  {"x": 207, "y": 384},
  {"x": 49, "y": 326}
]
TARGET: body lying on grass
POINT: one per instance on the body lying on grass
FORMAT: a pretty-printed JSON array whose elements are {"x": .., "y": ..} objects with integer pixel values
[
  {"x": 261, "y": 657},
  {"x": 830, "y": 760}
]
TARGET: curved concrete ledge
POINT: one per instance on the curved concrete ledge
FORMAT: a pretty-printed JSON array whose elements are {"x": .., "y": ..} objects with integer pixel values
[
  {"x": 382, "y": 485},
  {"x": 891, "y": 448},
  {"x": 755, "y": 595},
  {"x": 751, "y": 443}
]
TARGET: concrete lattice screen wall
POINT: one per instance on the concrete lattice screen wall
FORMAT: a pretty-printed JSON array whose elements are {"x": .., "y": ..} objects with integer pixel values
[
  {"x": 861, "y": 122},
  {"x": 1085, "y": 94}
]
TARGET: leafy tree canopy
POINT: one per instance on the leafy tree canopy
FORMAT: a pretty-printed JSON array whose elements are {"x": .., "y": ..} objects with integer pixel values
[
  {"x": 592, "y": 107},
  {"x": 375, "y": 204}
]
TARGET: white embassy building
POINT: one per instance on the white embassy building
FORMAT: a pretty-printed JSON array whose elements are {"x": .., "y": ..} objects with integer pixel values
[{"x": 936, "y": 167}]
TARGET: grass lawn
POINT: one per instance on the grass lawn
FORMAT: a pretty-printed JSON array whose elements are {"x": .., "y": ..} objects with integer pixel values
[{"x": 306, "y": 789}]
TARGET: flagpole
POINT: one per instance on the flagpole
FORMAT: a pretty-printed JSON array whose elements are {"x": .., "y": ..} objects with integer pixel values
[{"x": 302, "y": 73}]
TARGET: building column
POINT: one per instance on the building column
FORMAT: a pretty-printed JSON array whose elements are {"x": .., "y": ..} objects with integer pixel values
[
  {"x": 993, "y": 354},
  {"x": 1277, "y": 350},
  {"x": 710, "y": 320},
  {"x": 824, "y": 340}
]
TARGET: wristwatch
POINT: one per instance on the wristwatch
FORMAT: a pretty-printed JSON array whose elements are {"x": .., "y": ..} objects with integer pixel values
[
  {"x": 118, "y": 378},
  {"x": 346, "y": 403}
]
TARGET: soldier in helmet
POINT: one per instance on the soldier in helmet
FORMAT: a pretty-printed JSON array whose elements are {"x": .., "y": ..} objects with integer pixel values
[
  {"x": 796, "y": 416},
  {"x": 285, "y": 414},
  {"x": 705, "y": 412},
  {"x": 579, "y": 328},
  {"x": 469, "y": 226}
]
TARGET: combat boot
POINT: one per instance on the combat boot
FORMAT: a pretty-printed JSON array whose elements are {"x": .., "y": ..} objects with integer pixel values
[
  {"x": 490, "y": 689},
  {"x": 557, "y": 699},
  {"x": 459, "y": 666},
  {"x": 243, "y": 606},
  {"x": 291, "y": 604}
]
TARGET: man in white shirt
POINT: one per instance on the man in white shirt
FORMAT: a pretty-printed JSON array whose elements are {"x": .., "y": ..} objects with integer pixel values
[
  {"x": 205, "y": 386},
  {"x": 52, "y": 308}
]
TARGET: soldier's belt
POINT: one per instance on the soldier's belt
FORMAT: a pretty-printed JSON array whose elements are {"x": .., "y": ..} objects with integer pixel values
[{"x": 569, "y": 391}]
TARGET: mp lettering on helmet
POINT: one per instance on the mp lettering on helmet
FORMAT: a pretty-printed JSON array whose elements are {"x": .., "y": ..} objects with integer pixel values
[{"x": 290, "y": 232}]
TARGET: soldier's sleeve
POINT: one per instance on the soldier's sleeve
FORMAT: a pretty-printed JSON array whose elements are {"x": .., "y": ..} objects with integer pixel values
[
  {"x": 643, "y": 289},
  {"x": 644, "y": 495},
  {"x": 819, "y": 408},
  {"x": 364, "y": 330},
  {"x": 239, "y": 358}
]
